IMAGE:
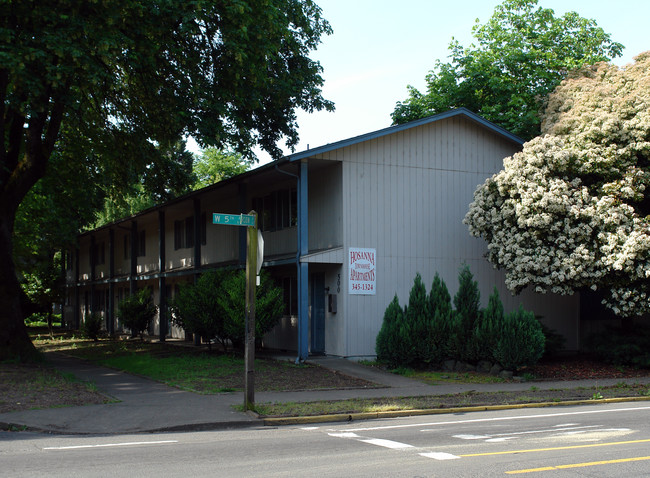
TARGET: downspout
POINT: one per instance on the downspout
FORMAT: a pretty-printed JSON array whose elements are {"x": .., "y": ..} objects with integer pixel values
[{"x": 300, "y": 357}]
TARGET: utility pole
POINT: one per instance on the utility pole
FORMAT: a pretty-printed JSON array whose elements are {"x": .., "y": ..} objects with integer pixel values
[
  {"x": 250, "y": 222},
  {"x": 251, "y": 282}
]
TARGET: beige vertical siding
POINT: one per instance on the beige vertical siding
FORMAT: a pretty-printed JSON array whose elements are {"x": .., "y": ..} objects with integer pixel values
[
  {"x": 325, "y": 207},
  {"x": 222, "y": 242},
  {"x": 415, "y": 187}
]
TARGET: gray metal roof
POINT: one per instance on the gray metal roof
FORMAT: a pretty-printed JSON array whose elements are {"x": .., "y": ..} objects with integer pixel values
[{"x": 412, "y": 124}]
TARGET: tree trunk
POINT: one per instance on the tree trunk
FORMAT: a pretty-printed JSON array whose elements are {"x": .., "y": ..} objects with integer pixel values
[
  {"x": 14, "y": 339},
  {"x": 49, "y": 322}
]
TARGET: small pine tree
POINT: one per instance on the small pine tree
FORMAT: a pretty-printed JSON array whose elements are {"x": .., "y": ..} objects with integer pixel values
[
  {"x": 466, "y": 302},
  {"x": 489, "y": 326},
  {"x": 387, "y": 346},
  {"x": 437, "y": 337},
  {"x": 439, "y": 298},
  {"x": 417, "y": 328}
]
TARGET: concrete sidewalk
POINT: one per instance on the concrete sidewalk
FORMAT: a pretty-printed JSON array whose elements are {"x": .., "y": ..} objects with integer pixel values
[{"x": 148, "y": 406}]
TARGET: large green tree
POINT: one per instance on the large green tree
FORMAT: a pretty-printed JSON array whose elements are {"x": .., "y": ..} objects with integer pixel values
[
  {"x": 117, "y": 83},
  {"x": 522, "y": 54},
  {"x": 572, "y": 210},
  {"x": 215, "y": 165},
  {"x": 171, "y": 175}
]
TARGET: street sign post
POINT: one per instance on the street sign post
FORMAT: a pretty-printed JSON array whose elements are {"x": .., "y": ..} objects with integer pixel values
[{"x": 249, "y": 220}]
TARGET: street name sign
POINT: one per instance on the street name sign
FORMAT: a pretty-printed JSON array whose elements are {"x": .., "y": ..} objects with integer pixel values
[{"x": 233, "y": 219}]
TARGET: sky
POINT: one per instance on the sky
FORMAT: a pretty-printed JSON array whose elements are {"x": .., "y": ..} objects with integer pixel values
[{"x": 378, "y": 47}]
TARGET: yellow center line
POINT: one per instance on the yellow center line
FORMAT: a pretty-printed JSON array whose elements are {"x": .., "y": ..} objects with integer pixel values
[
  {"x": 579, "y": 465},
  {"x": 512, "y": 452}
]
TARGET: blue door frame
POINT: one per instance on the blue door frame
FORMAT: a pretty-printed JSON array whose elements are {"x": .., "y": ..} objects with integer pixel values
[{"x": 303, "y": 267}]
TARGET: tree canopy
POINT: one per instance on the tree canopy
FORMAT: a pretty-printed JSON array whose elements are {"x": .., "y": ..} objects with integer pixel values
[
  {"x": 572, "y": 210},
  {"x": 215, "y": 165},
  {"x": 522, "y": 54},
  {"x": 112, "y": 86}
]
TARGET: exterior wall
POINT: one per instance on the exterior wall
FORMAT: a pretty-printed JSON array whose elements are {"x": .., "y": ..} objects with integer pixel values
[
  {"x": 325, "y": 206},
  {"x": 406, "y": 195},
  {"x": 221, "y": 248}
]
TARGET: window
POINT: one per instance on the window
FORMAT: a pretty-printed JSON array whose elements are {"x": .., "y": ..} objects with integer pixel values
[
  {"x": 179, "y": 238},
  {"x": 97, "y": 254},
  {"x": 189, "y": 232},
  {"x": 184, "y": 232},
  {"x": 101, "y": 254},
  {"x": 142, "y": 250},
  {"x": 204, "y": 229},
  {"x": 127, "y": 246},
  {"x": 277, "y": 210}
]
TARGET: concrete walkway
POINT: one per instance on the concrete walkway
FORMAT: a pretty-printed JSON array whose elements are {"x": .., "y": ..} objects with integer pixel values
[{"x": 148, "y": 406}]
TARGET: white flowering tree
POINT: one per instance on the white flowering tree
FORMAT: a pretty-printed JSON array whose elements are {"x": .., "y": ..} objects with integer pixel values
[{"x": 572, "y": 209}]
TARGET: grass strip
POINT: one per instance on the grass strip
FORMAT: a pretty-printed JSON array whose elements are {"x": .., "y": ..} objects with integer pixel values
[{"x": 467, "y": 399}]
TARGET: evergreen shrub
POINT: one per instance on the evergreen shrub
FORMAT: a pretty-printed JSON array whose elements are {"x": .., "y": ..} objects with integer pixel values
[
  {"x": 489, "y": 328},
  {"x": 416, "y": 329},
  {"x": 388, "y": 342},
  {"x": 269, "y": 306},
  {"x": 618, "y": 346},
  {"x": 196, "y": 307},
  {"x": 465, "y": 317},
  {"x": 438, "y": 332},
  {"x": 521, "y": 342},
  {"x": 428, "y": 331},
  {"x": 553, "y": 341},
  {"x": 137, "y": 311},
  {"x": 92, "y": 327}
]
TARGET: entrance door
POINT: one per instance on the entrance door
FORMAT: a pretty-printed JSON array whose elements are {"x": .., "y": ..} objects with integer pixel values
[{"x": 318, "y": 313}]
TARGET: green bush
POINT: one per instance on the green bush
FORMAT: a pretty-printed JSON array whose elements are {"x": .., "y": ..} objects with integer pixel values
[
  {"x": 427, "y": 330},
  {"x": 522, "y": 341},
  {"x": 269, "y": 306},
  {"x": 553, "y": 342},
  {"x": 137, "y": 311},
  {"x": 466, "y": 303},
  {"x": 196, "y": 307},
  {"x": 40, "y": 319},
  {"x": 622, "y": 347},
  {"x": 92, "y": 326},
  {"x": 388, "y": 343},
  {"x": 438, "y": 332},
  {"x": 488, "y": 328},
  {"x": 416, "y": 328}
]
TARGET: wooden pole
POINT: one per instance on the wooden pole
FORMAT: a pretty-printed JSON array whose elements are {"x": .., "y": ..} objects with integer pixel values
[{"x": 249, "y": 345}]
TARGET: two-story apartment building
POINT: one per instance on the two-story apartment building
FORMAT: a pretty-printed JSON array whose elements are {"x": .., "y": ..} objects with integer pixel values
[{"x": 346, "y": 226}]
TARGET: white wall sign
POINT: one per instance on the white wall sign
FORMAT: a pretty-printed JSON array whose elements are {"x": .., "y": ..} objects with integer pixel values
[{"x": 362, "y": 267}]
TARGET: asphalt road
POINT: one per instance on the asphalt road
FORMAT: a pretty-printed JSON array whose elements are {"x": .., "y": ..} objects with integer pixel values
[{"x": 580, "y": 441}]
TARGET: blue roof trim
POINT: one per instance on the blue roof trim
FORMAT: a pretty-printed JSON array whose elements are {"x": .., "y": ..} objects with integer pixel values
[{"x": 402, "y": 127}]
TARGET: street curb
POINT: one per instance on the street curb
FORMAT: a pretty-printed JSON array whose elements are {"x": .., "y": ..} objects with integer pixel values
[
  {"x": 348, "y": 417},
  {"x": 198, "y": 427}
]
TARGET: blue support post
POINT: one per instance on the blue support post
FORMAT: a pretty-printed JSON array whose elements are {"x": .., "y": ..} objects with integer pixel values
[{"x": 303, "y": 267}]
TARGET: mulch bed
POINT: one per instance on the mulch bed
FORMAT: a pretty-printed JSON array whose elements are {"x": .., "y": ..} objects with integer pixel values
[{"x": 581, "y": 367}]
